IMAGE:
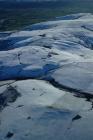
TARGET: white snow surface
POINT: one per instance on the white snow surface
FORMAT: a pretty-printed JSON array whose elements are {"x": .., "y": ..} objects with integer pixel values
[
  {"x": 63, "y": 46},
  {"x": 46, "y": 73},
  {"x": 43, "y": 112}
]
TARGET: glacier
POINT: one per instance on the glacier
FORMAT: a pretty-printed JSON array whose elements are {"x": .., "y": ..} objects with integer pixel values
[{"x": 46, "y": 80}]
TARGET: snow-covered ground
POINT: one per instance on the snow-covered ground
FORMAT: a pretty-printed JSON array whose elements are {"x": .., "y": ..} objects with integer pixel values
[{"x": 46, "y": 73}]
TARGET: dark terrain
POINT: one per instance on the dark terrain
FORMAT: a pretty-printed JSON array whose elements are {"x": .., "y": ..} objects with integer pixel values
[{"x": 14, "y": 15}]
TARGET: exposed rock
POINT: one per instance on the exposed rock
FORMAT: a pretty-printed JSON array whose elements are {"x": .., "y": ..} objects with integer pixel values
[
  {"x": 9, "y": 135},
  {"x": 77, "y": 117}
]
